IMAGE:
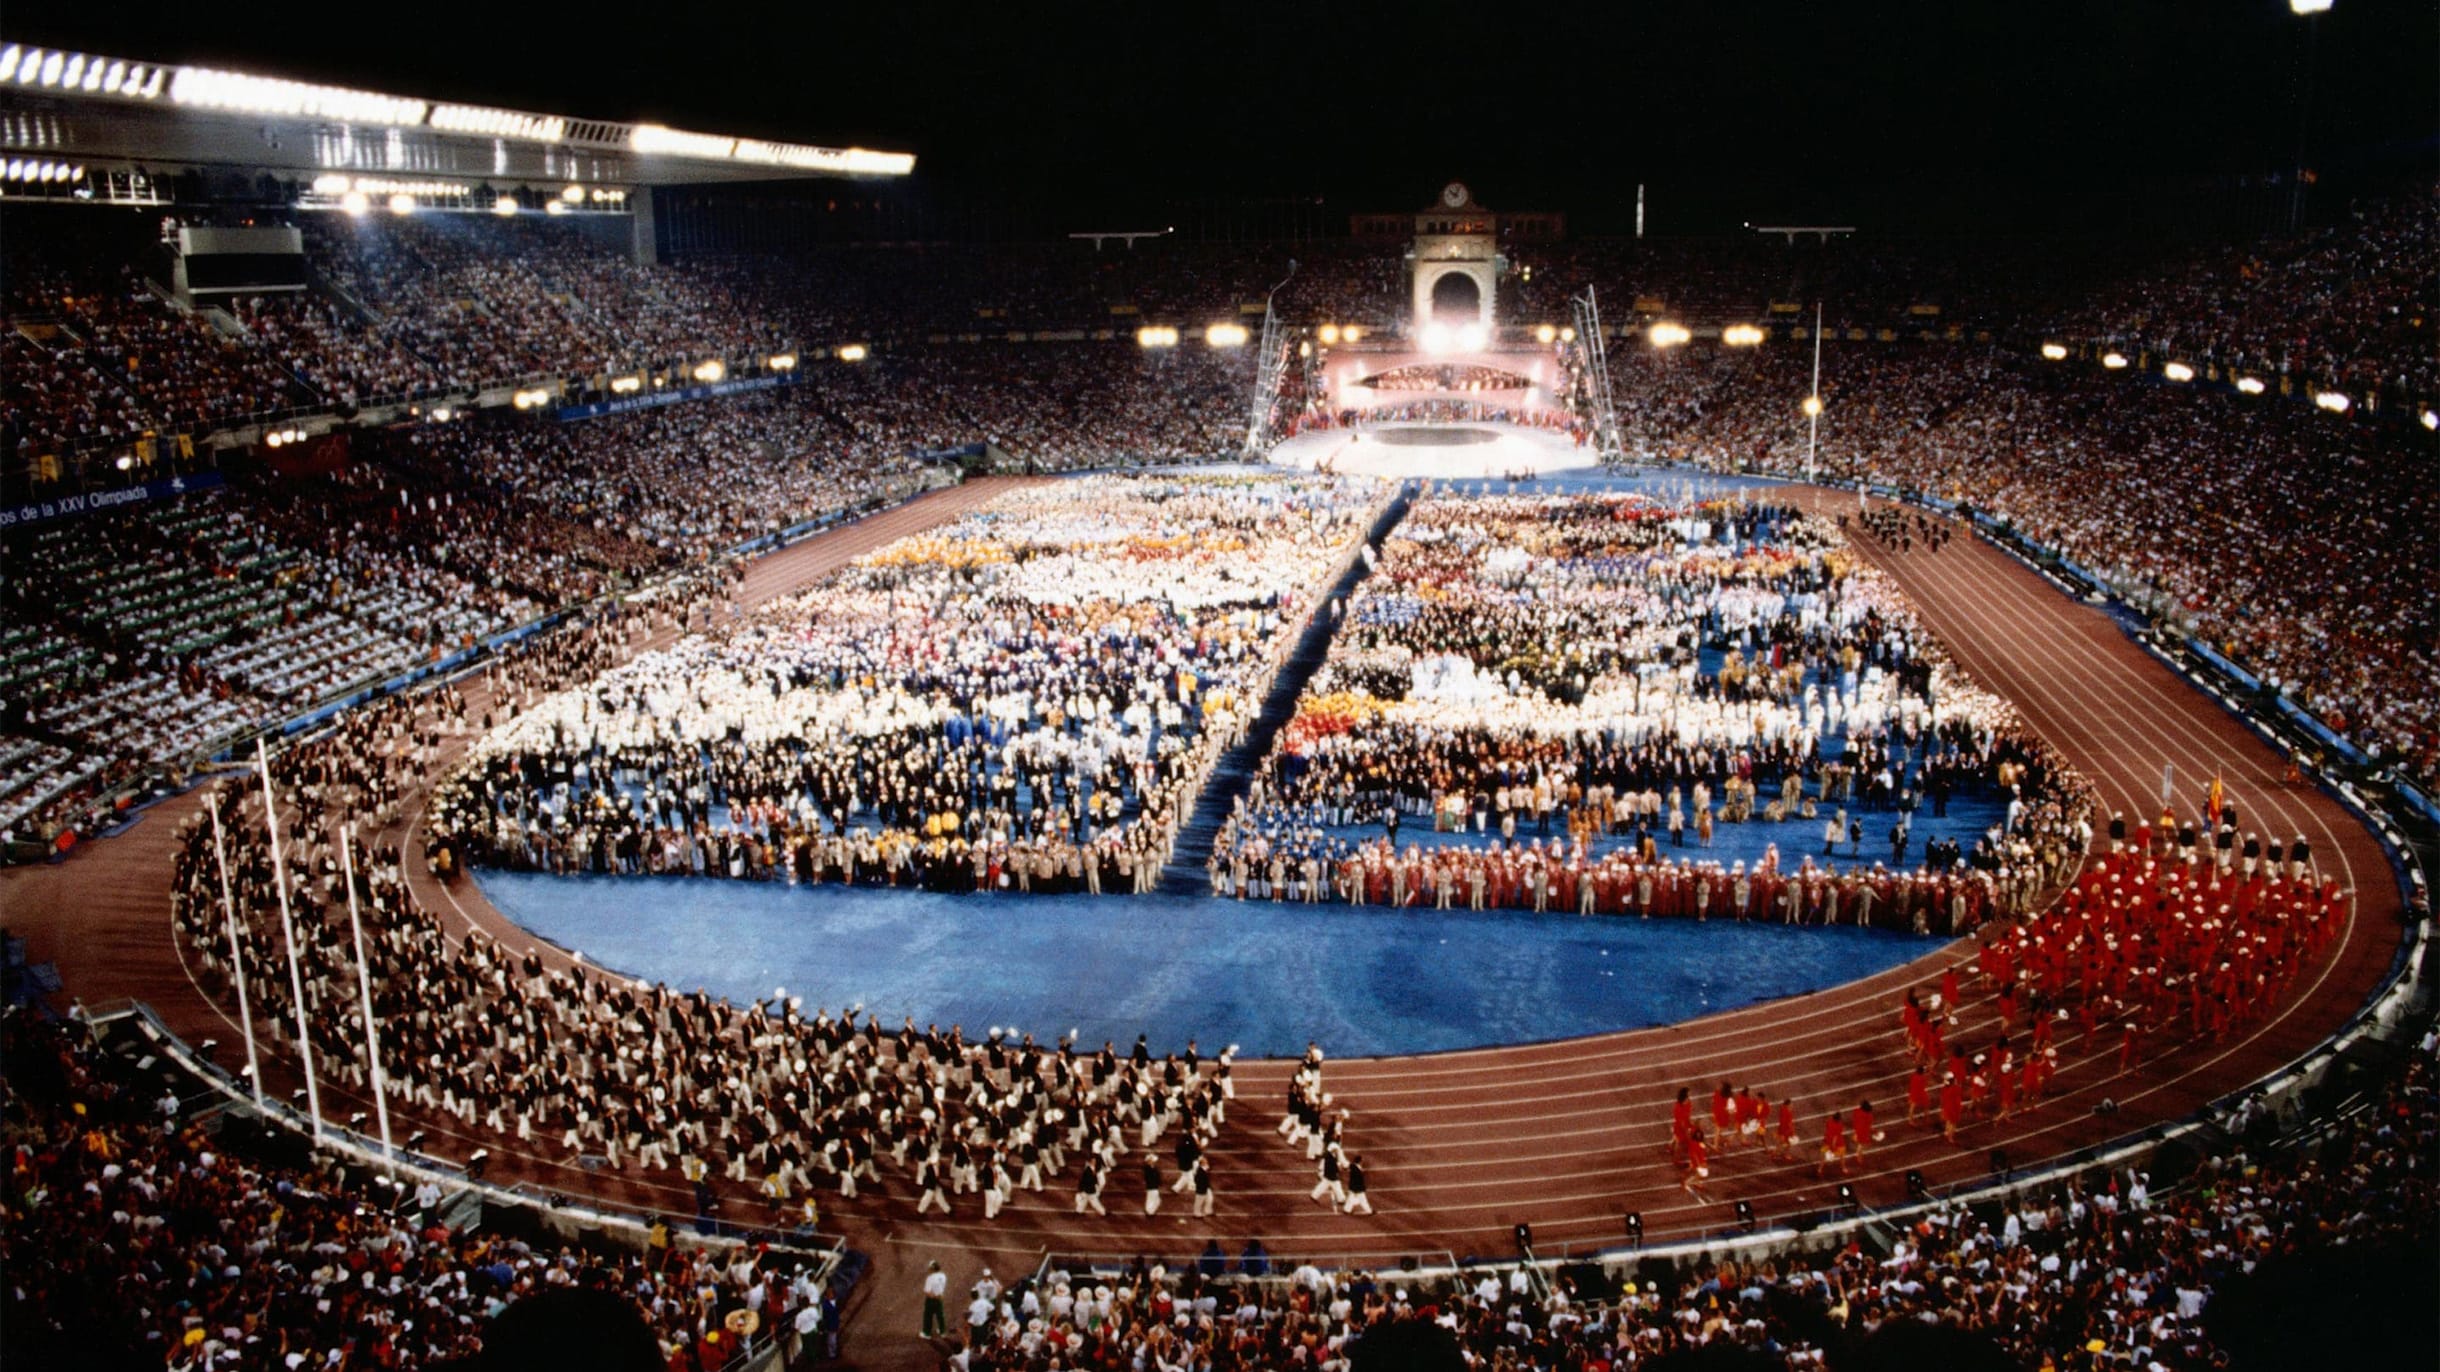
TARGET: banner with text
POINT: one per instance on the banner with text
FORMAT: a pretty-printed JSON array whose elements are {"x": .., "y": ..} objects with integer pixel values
[
  {"x": 92, "y": 502},
  {"x": 628, "y": 404}
]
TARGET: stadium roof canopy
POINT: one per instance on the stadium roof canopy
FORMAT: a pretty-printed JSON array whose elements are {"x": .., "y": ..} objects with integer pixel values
[{"x": 72, "y": 108}]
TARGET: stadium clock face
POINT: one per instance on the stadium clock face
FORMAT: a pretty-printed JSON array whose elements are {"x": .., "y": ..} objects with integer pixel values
[{"x": 1453, "y": 194}]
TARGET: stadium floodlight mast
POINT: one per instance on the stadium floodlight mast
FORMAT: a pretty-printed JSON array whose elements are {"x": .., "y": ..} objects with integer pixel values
[
  {"x": 288, "y": 932},
  {"x": 2311, "y": 12},
  {"x": 237, "y": 958},
  {"x": 364, "y": 985},
  {"x": 1813, "y": 401}
]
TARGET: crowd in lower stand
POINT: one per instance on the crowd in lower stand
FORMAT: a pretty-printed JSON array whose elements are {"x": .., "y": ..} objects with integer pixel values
[
  {"x": 138, "y": 1237},
  {"x": 2238, "y": 1258},
  {"x": 1027, "y": 698},
  {"x": 134, "y": 1237},
  {"x": 1549, "y": 685}
]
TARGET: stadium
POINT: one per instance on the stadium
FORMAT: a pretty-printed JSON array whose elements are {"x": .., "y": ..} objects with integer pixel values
[{"x": 931, "y": 690}]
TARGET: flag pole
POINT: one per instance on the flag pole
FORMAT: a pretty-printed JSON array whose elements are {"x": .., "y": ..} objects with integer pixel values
[
  {"x": 364, "y": 984},
  {"x": 237, "y": 959},
  {"x": 288, "y": 929}
]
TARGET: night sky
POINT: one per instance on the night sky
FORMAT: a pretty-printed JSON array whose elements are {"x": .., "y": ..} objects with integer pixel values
[{"x": 1728, "y": 109}]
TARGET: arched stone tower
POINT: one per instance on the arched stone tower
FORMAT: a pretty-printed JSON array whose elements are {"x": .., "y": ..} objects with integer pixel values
[{"x": 1455, "y": 262}]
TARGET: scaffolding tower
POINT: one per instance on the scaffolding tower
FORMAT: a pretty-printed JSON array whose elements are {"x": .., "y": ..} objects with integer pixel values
[
  {"x": 1270, "y": 371},
  {"x": 1593, "y": 353}
]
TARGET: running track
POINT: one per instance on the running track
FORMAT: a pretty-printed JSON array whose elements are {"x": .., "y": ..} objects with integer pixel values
[{"x": 1460, "y": 1146}]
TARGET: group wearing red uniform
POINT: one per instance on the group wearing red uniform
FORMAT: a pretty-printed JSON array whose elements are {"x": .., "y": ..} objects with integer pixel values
[{"x": 2159, "y": 949}]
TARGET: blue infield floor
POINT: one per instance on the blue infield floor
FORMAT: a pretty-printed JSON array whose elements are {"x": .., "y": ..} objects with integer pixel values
[{"x": 1266, "y": 977}]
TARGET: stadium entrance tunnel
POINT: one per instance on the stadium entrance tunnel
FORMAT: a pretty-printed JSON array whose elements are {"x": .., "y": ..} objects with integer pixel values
[{"x": 1456, "y": 300}]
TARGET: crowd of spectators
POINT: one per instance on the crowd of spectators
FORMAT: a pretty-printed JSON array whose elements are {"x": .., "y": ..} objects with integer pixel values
[
  {"x": 2351, "y": 303},
  {"x": 138, "y": 1236}
]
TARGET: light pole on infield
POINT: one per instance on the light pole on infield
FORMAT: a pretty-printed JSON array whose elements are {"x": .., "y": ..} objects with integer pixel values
[
  {"x": 1813, "y": 401},
  {"x": 237, "y": 957},
  {"x": 288, "y": 931},
  {"x": 364, "y": 985}
]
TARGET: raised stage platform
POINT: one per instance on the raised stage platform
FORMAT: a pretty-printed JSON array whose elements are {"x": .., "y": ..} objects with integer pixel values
[{"x": 1451, "y": 451}]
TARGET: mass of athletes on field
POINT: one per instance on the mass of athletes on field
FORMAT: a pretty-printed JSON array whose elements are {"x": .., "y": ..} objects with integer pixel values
[
  {"x": 2182, "y": 932},
  {"x": 1025, "y": 700},
  {"x": 1573, "y": 692}
]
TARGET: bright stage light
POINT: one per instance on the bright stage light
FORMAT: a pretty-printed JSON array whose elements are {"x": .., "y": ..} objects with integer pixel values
[
  {"x": 1351, "y": 334},
  {"x": 784, "y": 362},
  {"x": 1328, "y": 333},
  {"x": 2113, "y": 361},
  {"x": 2056, "y": 352},
  {"x": 555, "y": 207},
  {"x": 1156, "y": 336},
  {"x": 2178, "y": 371},
  {"x": 1437, "y": 337},
  {"x": 1568, "y": 334},
  {"x": 505, "y": 206},
  {"x": 708, "y": 372},
  {"x": 330, "y": 183},
  {"x": 2309, "y": 8},
  {"x": 853, "y": 352},
  {"x": 626, "y": 385},
  {"x": 355, "y": 202},
  {"x": 1473, "y": 337},
  {"x": 402, "y": 204},
  {"x": 1741, "y": 335},
  {"x": 2431, "y": 419},
  {"x": 2251, "y": 385},
  {"x": 531, "y": 399},
  {"x": 574, "y": 195},
  {"x": 1225, "y": 335},
  {"x": 1668, "y": 335},
  {"x": 2336, "y": 402},
  {"x": 1546, "y": 334},
  {"x": 1812, "y": 406}
]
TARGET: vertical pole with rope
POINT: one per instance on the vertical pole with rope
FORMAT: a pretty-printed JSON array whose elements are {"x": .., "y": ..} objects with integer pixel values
[
  {"x": 364, "y": 985},
  {"x": 237, "y": 959},
  {"x": 288, "y": 930}
]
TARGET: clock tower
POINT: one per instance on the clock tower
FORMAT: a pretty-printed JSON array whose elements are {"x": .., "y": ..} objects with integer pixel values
[{"x": 1455, "y": 262}]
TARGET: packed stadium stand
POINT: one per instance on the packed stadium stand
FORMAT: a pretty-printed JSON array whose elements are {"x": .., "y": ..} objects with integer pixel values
[{"x": 497, "y": 543}]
